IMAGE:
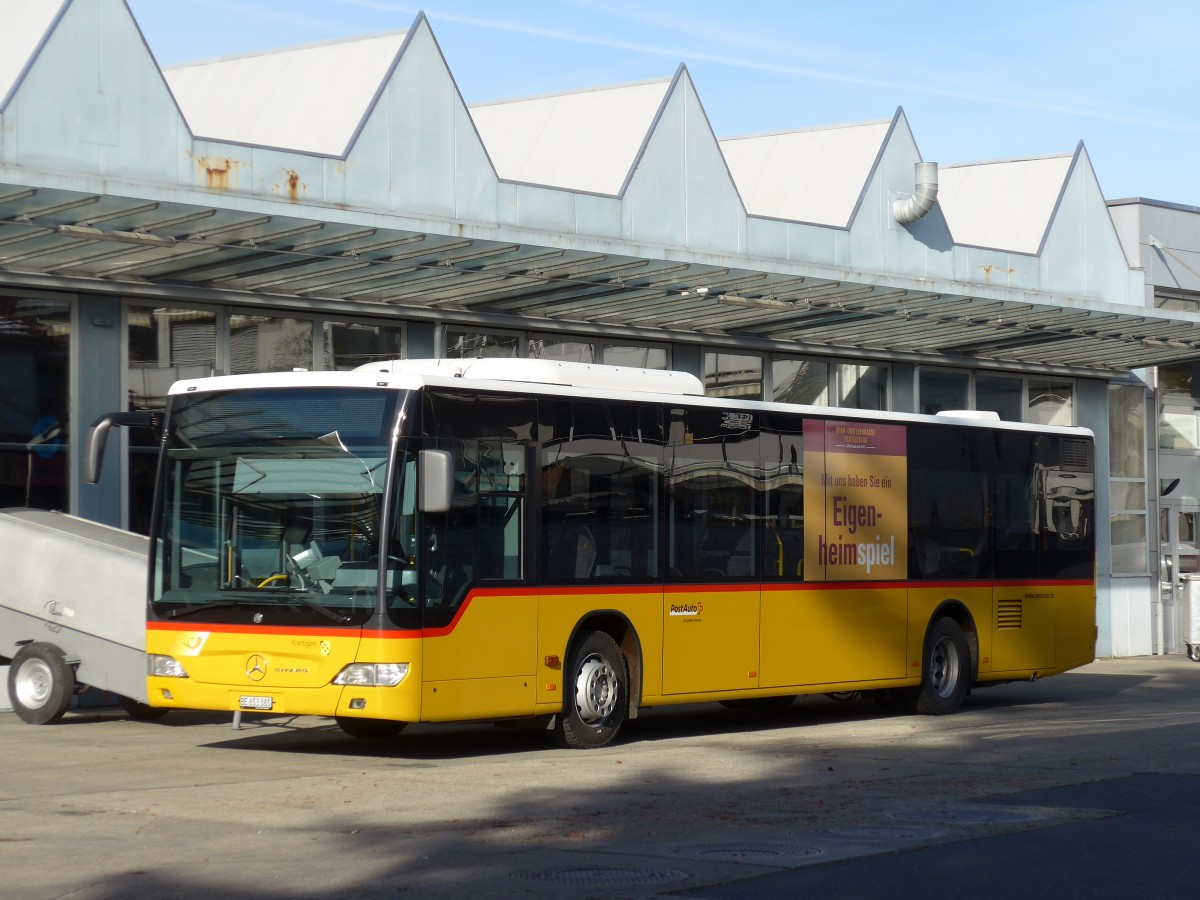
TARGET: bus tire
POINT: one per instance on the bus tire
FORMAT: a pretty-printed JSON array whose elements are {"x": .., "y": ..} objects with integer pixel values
[
  {"x": 945, "y": 670},
  {"x": 40, "y": 683},
  {"x": 596, "y": 698},
  {"x": 141, "y": 712},
  {"x": 369, "y": 729}
]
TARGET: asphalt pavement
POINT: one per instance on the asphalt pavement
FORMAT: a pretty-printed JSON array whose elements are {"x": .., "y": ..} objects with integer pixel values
[{"x": 1082, "y": 785}]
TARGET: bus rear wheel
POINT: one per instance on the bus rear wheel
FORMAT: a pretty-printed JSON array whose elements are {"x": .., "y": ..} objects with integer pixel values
[
  {"x": 597, "y": 695},
  {"x": 945, "y": 671}
]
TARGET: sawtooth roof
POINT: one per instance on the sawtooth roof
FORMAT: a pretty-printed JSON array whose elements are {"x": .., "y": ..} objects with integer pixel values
[
  {"x": 579, "y": 140},
  {"x": 1007, "y": 204},
  {"x": 25, "y": 23},
  {"x": 354, "y": 172},
  {"x": 312, "y": 98},
  {"x": 810, "y": 175}
]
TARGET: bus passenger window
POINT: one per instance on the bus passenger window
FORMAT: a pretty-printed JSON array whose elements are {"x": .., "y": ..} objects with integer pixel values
[
  {"x": 783, "y": 553},
  {"x": 948, "y": 505},
  {"x": 601, "y": 468},
  {"x": 714, "y": 489},
  {"x": 783, "y": 473}
]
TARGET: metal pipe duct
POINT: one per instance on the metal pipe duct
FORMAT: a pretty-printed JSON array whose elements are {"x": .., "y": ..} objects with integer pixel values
[{"x": 923, "y": 197}]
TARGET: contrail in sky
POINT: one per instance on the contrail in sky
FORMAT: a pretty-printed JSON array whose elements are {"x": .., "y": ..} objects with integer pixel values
[{"x": 691, "y": 53}]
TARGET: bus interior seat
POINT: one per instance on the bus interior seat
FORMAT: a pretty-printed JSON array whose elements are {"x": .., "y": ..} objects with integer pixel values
[
  {"x": 726, "y": 550},
  {"x": 295, "y": 537},
  {"x": 455, "y": 586},
  {"x": 925, "y": 555},
  {"x": 740, "y": 563},
  {"x": 573, "y": 555}
]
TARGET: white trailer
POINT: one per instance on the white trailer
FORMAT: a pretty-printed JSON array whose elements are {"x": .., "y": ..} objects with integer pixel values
[{"x": 72, "y": 612}]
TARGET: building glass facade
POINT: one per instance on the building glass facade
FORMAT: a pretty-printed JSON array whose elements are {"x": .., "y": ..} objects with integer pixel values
[{"x": 35, "y": 402}]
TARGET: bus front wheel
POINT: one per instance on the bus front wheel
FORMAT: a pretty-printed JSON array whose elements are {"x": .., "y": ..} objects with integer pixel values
[
  {"x": 369, "y": 729},
  {"x": 141, "y": 712},
  {"x": 946, "y": 670},
  {"x": 596, "y": 698}
]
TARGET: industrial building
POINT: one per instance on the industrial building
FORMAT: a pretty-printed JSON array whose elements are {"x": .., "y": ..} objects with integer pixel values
[{"x": 158, "y": 224}]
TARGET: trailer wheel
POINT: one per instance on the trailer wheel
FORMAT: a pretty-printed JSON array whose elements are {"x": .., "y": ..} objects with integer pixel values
[
  {"x": 40, "y": 683},
  {"x": 142, "y": 712}
]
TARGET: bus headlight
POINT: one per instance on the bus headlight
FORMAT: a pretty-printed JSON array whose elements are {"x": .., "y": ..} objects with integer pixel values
[
  {"x": 167, "y": 666},
  {"x": 372, "y": 674}
]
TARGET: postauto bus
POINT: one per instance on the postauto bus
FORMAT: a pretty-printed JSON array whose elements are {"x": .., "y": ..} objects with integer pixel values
[{"x": 452, "y": 540}]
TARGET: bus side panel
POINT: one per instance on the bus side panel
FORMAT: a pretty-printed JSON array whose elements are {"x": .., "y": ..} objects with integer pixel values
[
  {"x": 923, "y": 603},
  {"x": 1024, "y": 627},
  {"x": 494, "y": 635},
  {"x": 481, "y": 665},
  {"x": 477, "y": 698},
  {"x": 1044, "y": 628},
  {"x": 562, "y": 610},
  {"x": 833, "y": 633},
  {"x": 1075, "y": 626},
  {"x": 710, "y": 639}
]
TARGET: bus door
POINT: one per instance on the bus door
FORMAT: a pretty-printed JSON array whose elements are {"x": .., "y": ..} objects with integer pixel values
[
  {"x": 479, "y": 625},
  {"x": 601, "y": 489},
  {"x": 712, "y": 530},
  {"x": 841, "y": 612}
]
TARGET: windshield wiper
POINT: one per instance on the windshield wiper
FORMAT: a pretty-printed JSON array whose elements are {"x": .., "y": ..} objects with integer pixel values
[
  {"x": 200, "y": 607},
  {"x": 339, "y": 618},
  {"x": 328, "y": 613}
]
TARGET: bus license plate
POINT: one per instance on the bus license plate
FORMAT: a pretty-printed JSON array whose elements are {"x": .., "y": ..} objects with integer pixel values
[{"x": 254, "y": 702}]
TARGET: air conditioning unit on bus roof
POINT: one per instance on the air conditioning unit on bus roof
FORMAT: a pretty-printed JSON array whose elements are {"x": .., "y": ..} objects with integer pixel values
[
  {"x": 548, "y": 371},
  {"x": 982, "y": 415}
]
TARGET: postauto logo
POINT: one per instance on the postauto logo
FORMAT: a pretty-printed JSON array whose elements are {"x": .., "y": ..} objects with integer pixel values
[{"x": 687, "y": 609}]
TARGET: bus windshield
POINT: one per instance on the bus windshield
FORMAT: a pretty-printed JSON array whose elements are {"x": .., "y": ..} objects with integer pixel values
[{"x": 272, "y": 505}]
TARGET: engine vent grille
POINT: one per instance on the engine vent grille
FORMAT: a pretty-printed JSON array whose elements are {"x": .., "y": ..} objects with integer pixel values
[{"x": 1008, "y": 614}]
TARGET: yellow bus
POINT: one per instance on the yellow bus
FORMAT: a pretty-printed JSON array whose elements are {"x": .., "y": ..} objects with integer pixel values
[{"x": 453, "y": 540}]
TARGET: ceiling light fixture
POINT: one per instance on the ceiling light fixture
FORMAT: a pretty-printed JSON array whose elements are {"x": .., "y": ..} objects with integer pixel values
[
  {"x": 754, "y": 302},
  {"x": 142, "y": 238}
]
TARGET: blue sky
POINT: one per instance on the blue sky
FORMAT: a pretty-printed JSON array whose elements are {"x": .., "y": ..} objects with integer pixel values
[{"x": 977, "y": 81}]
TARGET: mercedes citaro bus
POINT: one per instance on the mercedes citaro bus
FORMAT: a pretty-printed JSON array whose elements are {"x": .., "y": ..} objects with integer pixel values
[{"x": 453, "y": 540}]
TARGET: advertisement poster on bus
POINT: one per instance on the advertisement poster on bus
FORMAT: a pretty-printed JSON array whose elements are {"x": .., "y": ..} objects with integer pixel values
[{"x": 856, "y": 502}]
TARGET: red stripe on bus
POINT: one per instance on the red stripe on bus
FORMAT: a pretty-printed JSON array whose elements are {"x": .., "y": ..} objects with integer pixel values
[{"x": 605, "y": 590}]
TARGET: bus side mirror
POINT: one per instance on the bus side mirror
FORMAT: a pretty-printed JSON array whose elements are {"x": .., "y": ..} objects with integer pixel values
[
  {"x": 437, "y": 481},
  {"x": 98, "y": 437}
]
